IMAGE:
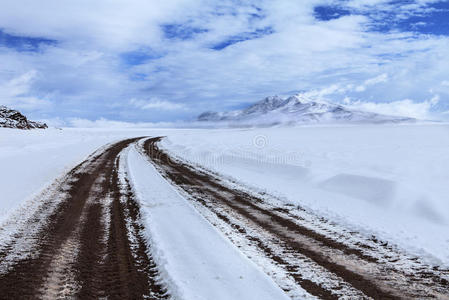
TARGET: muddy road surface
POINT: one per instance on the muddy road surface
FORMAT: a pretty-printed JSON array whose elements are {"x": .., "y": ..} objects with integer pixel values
[
  {"x": 298, "y": 249},
  {"x": 84, "y": 241}
]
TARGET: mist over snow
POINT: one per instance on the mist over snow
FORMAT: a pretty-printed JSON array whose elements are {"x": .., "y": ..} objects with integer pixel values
[
  {"x": 164, "y": 61},
  {"x": 301, "y": 109}
]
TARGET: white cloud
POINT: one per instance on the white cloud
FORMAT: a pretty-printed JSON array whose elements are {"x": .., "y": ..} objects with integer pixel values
[
  {"x": 156, "y": 104},
  {"x": 85, "y": 71},
  {"x": 445, "y": 83},
  {"x": 15, "y": 93},
  {"x": 378, "y": 79},
  {"x": 372, "y": 81},
  {"x": 106, "y": 123},
  {"x": 406, "y": 108}
]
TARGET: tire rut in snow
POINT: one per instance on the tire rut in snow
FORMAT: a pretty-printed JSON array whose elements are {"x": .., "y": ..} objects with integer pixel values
[
  {"x": 317, "y": 261},
  {"x": 83, "y": 249}
]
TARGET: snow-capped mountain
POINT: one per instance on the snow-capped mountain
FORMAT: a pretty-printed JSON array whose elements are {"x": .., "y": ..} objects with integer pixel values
[
  {"x": 298, "y": 109},
  {"x": 11, "y": 118}
]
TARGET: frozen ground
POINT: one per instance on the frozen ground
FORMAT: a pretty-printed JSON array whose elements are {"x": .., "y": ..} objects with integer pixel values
[
  {"x": 200, "y": 263},
  {"x": 196, "y": 261},
  {"x": 32, "y": 159},
  {"x": 389, "y": 180}
]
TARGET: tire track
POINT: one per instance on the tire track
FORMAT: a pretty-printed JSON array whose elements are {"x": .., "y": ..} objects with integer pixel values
[
  {"x": 81, "y": 247},
  {"x": 334, "y": 268}
]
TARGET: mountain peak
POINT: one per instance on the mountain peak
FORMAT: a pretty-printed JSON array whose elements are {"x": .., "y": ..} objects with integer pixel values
[
  {"x": 267, "y": 104},
  {"x": 301, "y": 108}
]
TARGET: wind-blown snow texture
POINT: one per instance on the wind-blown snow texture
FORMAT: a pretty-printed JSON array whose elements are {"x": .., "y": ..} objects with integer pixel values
[
  {"x": 387, "y": 180},
  {"x": 390, "y": 180},
  {"x": 199, "y": 262},
  {"x": 302, "y": 108}
]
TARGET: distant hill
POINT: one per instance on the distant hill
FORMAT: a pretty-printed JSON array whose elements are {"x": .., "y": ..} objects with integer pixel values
[
  {"x": 11, "y": 118},
  {"x": 298, "y": 109}
]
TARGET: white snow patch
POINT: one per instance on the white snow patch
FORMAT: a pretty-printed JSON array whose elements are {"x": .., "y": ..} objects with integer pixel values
[
  {"x": 198, "y": 262},
  {"x": 387, "y": 180}
]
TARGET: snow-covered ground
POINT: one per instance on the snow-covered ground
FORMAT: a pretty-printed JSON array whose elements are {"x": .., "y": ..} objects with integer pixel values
[
  {"x": 387, "y": 180},
  {"x": 195, "y": 260},
  {"x": 32, "y": 159},
  {"x": 198, "y": 262}
]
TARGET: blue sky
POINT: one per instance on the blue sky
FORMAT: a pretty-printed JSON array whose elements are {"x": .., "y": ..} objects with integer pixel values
[{"x": 162, "y": 61}]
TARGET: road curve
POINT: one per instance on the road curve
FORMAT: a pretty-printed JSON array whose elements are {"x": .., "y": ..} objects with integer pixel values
[{"x": 84, "y": 241}]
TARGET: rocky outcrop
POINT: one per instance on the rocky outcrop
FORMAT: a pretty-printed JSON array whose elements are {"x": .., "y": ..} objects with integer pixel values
[{"x": 11, "y": 118}]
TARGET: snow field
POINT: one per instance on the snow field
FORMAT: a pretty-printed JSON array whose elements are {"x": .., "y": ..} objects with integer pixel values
[
  {"x": 386, "y": 180},
  {"x": 31, "y": 160},
  {"x": 199, "y": 262}
]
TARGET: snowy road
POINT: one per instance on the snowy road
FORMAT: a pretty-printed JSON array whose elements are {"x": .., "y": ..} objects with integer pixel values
[
  {"x": 298, "y": 250},
  {"x": 83, "y": 240},
  {"x": 131, "y": 222}
]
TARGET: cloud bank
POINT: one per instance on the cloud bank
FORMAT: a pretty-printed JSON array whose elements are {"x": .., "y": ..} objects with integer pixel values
[
  {"x": 152, "y": 61},
  {"x": 407, "y": 108}
]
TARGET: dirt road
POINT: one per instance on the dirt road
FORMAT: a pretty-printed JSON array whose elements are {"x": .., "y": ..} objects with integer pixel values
[
  {"x": 84, "y": 241},
  {"x": 298, "y": 249}
]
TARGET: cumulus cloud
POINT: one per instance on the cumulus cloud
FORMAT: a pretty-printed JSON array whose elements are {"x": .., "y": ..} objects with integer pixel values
[
  {"x": 185, "y": 56},
  {"x": 406, "y": 108},
  {"x": 16, "y": 93}
]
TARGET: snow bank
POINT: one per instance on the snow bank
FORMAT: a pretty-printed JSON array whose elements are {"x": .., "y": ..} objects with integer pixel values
[
  {"x": 197, "y": 261},
  {"x": 389, "y": 180}
]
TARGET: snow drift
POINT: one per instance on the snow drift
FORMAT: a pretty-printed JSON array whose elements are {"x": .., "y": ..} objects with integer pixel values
[{"x": 387, "y": 180}]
